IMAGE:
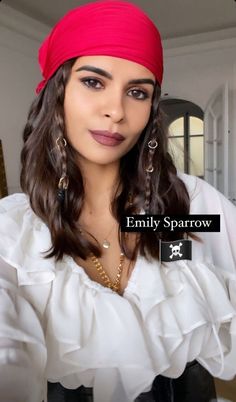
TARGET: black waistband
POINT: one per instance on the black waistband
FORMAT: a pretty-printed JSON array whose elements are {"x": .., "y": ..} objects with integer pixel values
[
  {"x": 57, "y": 393},
  {"x": 194, "y": 385}
]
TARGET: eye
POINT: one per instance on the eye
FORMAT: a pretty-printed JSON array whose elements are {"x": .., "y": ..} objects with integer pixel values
[
  {"x": 91, "y": 82},
  {"x": 139, "y": 94}
]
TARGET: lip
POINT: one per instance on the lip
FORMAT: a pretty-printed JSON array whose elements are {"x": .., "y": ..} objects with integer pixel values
[{"x": 106, "y": 137}]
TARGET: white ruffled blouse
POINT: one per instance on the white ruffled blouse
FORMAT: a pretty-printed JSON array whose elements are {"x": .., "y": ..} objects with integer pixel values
[{"x": 57, "y": 324}]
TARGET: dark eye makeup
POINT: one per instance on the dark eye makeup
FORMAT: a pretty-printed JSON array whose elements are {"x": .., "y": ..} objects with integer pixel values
[{"x": 92, "y": 82}]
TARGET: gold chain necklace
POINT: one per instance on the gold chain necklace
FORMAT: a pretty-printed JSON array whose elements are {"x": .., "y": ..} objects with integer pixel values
[{"x": 115, "y": 286}]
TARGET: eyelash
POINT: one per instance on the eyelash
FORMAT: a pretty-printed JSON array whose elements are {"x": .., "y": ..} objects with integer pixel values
[{"x": 84, "y": 80}]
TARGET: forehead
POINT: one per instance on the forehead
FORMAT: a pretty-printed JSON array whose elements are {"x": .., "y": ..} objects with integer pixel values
[{"x": 115, "y": 65}]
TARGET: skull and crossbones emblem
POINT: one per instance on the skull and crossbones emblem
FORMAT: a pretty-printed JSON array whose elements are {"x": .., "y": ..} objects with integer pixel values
[{"x": 175, "y": 250}]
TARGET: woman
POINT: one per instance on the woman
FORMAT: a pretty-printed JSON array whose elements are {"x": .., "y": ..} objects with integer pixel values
[{"x": 89, "y": 313}]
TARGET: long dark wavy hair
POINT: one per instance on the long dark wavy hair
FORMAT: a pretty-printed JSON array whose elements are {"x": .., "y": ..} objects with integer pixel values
[{"x": 43, "y": 163}]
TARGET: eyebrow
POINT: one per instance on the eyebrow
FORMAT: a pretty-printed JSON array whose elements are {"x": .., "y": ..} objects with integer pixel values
[{"x": 109, "y": 76}]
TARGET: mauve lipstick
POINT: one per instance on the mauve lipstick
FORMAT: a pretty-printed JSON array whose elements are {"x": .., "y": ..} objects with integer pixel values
[{"x": 107, "y": 138}]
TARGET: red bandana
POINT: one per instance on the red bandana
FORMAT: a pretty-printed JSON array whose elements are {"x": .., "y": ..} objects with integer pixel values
[{"x": 103, "y": 28}]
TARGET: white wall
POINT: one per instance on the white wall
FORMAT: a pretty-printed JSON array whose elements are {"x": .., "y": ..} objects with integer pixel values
[
  {"x": 194, "y": 68},
  {"x": 19, "y": 75}
]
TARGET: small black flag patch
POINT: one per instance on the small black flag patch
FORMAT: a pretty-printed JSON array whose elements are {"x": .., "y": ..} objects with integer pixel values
[{"x": 176, "y": 250}]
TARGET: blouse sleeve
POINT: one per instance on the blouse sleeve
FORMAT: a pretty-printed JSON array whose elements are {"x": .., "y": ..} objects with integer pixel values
[
  {"x": 220, "y": 246},
  {"x": 24, "y": 287},
  {"x": 22, "y": 345},
  {"x": 219, "y": 250}
]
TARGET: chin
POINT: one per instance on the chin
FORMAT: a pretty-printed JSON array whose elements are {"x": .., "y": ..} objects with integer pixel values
[
  {"x": 105, "y": 162},
  {"x": 102, "y": 160}
]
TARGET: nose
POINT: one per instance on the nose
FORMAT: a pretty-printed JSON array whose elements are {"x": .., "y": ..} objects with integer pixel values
[{"x": 114, "y": 107}]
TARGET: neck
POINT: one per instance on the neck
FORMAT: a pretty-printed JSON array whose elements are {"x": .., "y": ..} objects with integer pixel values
[{"x": 100, "y": 183}]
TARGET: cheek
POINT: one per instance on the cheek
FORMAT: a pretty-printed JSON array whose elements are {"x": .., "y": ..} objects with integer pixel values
[
  {"x": 76, "y": 100},
  {"x": 73, "y": 106},
  {"x": 68, "y": 107},
  {"x": 75, "y": 112},
  {"x": 141, "y": 117}
]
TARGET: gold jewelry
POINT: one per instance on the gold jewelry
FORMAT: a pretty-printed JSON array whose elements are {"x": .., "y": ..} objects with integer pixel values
[
  {"x": 115, "y": 286},
  {"x": 106, "y": 244},
  {"x": 63, "y": 182}
]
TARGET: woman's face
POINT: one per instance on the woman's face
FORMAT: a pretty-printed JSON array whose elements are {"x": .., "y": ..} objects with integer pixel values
[{"x": 107, "y": 105}]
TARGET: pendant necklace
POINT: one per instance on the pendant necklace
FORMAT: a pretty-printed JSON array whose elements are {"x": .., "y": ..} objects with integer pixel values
[{"x": 105, "y": 243}]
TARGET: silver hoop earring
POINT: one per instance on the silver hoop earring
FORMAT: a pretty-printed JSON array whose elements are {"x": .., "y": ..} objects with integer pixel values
[
  {"x": 153, "y": 144},
  {"x": 62, "y": 140},
  {"x": 64, "y": 179},
  {"x": 150, "y": 169}
]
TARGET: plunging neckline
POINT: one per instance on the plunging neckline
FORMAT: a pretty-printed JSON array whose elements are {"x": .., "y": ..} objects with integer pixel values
[{"x": 68, "y": 260}]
